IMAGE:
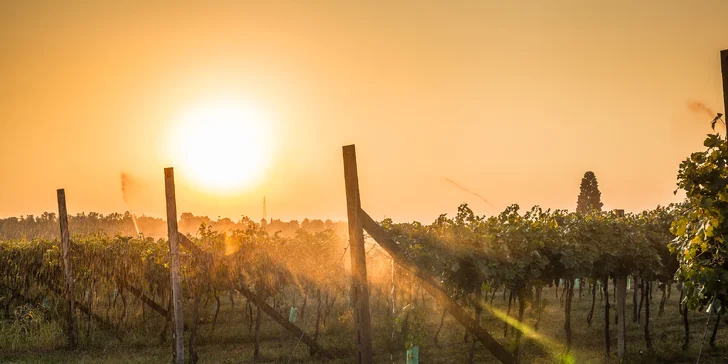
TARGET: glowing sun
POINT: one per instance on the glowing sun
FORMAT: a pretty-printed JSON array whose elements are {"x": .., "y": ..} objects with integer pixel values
[{"x": 222, "y": 145}]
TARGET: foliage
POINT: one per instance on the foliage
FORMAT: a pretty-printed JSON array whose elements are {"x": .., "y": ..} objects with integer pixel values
[
  {"x": 30, "y": 328},
  {"x": 589, "y": 196},
  {"x": 250, "y": 258},
  {"x": 520, "y": 250},
  {"x": 45, "y": 226},
  {"x": 467, "y": 253},
  {"x": 702, "y": 228},
  {"x": 411, "y": 320}
]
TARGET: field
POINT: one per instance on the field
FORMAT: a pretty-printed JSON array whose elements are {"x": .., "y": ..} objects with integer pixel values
[
  {"x": 231, "y": 341},
  {"x": 122, "y": 292},
  {"x": 530, "y": 286}
]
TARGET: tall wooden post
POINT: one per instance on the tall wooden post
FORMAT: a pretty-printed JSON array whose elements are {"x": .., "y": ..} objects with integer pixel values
[
  {"x": 359, "y": 287},
  {"x": 621, "y": 308},
  {"x": 71, "y": 327},
  {"x": 724, "y": 71},
  {"x": 174, "y": 267},
  {"x": 622, "y": 314}
]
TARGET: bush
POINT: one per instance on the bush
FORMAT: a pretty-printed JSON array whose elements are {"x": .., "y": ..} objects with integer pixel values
[{"x": 29, "y": 330}]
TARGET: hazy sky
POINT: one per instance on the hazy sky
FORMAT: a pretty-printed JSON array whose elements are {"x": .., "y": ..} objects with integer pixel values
[{"x": 513, "y": 99}]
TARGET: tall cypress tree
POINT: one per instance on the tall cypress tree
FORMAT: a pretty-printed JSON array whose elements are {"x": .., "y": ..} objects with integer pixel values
[{"x": 589, "y": 196}]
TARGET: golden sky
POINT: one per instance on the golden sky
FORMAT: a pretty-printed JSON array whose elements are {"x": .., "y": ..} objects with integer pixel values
[{"x": 513, "y": 99}]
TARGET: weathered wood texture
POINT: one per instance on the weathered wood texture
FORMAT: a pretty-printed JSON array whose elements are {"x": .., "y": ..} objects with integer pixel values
[
  {"x": 174, "y": 267},
  {"x": 359, "y": 286},
  {"x": 724, "y": 70},
  {"x": 70, "y": 312},
  {"x": 283, "y": 321},
  {"x": 622, "y": 314}
]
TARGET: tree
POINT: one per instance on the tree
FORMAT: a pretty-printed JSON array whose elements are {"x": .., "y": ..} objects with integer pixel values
[
  {"x": 703, "y": 225},
  {"x": 589, "y": 196}
]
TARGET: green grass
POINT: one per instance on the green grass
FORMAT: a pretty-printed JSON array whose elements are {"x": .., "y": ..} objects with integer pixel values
[{"x": 231, "y": 342}]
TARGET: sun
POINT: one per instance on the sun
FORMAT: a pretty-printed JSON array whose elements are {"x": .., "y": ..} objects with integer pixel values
[{"x": 222, "y": 145}]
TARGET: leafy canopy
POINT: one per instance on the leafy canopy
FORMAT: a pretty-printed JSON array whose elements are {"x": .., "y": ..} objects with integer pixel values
[
  {"x": 590, "y": 198},
  {"x": 702, "y": 229}
]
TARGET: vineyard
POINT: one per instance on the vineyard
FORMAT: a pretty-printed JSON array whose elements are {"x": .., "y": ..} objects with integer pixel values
[
  {"x": 556, "y": 284},
  {"x": 123, "y": 283}
]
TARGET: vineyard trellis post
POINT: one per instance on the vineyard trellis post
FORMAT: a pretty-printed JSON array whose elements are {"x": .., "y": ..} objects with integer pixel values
[
  {"x": 363, "y": 222},
  {"x": 621, "y": 298},
  {"x": 72, "y": 327},
  {"x": 724, "y": 71},
  {"x": 359, "y": 286},
  {"x": 622, "y": 314},
  {"x": 174, "y": 266},
  {"x": 432, "y": 287}
]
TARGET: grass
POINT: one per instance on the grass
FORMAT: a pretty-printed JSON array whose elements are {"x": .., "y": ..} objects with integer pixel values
[{"x": 231, "y": 342}]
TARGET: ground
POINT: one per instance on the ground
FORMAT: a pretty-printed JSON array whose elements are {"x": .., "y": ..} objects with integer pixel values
[{"x": 232, "y": 343}]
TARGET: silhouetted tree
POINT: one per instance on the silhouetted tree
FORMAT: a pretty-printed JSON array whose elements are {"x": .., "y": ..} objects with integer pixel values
[{"x": 589, "y": 196}]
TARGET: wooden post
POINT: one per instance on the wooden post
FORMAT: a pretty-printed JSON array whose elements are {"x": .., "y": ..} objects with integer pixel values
[
  {"x": 621, "y": 301},
  {"x": 622, "y": 314},
  {"x": 435, "y": 290},
  {"x": 72, "y": 327},
  {"x": 314, "y": 346},
  {"x": 359, "y": 287},
  {"x": 174, "y": 267},
  {"x": 724, "y": 71}
]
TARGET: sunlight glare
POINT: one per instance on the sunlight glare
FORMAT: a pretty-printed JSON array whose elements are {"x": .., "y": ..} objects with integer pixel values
[{"x": 222, "y": 146}]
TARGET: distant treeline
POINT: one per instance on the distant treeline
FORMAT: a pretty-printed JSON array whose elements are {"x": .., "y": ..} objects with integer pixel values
[{"x": 46, "y": 225}]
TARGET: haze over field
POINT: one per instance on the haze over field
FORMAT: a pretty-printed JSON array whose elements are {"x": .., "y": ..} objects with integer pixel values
[{"x": 513, "y": 101}]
